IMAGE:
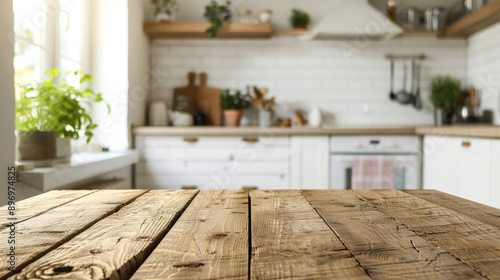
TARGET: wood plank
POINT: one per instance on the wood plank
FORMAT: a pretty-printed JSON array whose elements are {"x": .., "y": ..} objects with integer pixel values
[
  {"x": 209, "y": 241},
  {"x": 117, "y": 245},
  {"x": 36, "y": 205},
  {"x": 194, "y": 30},
  {"x": 36, "y": 237},
  {"x": 290, "y": 240},
  {"x": 486, "y": 16},
  {"x": 483, "y": 213},
  {"x": 475, "y": 243},
  {"x": 384, "y": 247}
]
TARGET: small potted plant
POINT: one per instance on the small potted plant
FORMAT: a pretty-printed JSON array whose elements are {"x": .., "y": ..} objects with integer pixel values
[
  {"x": 445, "y": 91},
  {"x": 165, "y": 9},
  {"x": 233, "y": 106},
  {"x": 300, "y": 19},
  {"x": 217, "y": 15},
  {"x": 48, "y": 114}
]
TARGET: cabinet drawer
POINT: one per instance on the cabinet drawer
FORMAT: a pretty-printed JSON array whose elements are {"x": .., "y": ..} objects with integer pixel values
[
  {"x": 176, "y": 155},
  {"x": 186, "y": 167},
  {"x": 162, "y": 142},
  {"x": 214, "y": 181}
]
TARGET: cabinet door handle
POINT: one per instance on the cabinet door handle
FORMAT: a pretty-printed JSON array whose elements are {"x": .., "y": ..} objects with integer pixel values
[
  {"x": 466, "y": 144},
  {"x": 189, "y": 187},
  {"x": 251, "y": 140},
  {"x": 190, "y": 140},
  {"x": 250, "y": 188}
]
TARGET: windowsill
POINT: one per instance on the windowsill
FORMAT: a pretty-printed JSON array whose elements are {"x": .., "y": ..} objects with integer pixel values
[{"x": 81, "y": 167}]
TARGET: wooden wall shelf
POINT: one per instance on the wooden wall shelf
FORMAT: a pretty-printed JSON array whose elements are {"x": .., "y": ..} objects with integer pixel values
[
  {"x": 196, "y": 30},
  {"x": 485, "y": 17}
]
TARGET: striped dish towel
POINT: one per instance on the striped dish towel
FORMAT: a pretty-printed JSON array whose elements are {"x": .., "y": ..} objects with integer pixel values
[{"x": 373, "y": 172}]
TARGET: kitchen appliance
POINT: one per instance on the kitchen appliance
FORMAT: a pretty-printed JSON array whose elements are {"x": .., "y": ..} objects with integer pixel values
[
  {"x": 403, "y": 152},
  {"x": 354, "y": 19}
]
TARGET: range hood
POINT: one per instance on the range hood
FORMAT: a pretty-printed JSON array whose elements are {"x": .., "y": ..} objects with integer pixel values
[{"x": 354, "y": 20}]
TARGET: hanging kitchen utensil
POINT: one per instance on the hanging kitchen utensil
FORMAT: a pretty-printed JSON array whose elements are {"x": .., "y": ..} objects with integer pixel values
[
  {"x": 392, "y": 95},
  {"x": 417, "y": 102},
  {"x": 403, "y": 97}
]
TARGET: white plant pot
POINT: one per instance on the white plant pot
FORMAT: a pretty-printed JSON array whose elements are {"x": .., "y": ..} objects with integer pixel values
[{"x": 164, "y": 17}]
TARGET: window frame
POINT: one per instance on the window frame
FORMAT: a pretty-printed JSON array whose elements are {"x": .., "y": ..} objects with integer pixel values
[{"x": 50, "y": 50}]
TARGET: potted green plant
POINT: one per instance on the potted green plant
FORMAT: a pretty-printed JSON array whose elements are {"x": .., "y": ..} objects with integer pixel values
[
  {"x": 217, "y": 15},
  {"x": 445, "y": 91},
  {"x": 50, "y": 110},
  {"x": 165, "y": 9},
  {"x": 233, "y": 106},
  {"x": 300, "y": 19}
]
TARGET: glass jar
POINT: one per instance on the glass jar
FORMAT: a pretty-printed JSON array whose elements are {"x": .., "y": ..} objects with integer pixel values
[{"x": 245, "y": 15}]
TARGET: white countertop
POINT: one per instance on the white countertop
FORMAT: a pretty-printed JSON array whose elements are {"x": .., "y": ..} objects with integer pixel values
[{"x": 82, "y": 166}]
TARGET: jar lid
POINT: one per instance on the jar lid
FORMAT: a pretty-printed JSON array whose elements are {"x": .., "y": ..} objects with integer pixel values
[
  {"x": 266, "y": 11},
  {"x": 244, "y": 11}
]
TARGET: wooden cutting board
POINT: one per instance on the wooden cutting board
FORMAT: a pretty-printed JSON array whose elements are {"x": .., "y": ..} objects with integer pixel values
[
  {"x": 208, "y": 100},
  {"x": 189, "y": 91}
]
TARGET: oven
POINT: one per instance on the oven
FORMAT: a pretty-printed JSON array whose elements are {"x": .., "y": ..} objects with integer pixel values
[{"x": 373, "y": 162}]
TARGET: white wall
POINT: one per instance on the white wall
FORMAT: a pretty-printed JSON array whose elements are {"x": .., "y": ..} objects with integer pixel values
[
  {"x": 484, "y": 67},
  {"x": 109, "y": 66},
  {"x": 141, "y": 76},
  {"x": 192, "y": 10},
  {"x": 352, "y": 89},
  {"x": 7, "y": 105}
]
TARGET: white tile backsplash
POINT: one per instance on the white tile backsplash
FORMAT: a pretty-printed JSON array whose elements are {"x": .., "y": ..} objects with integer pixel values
[
  {"x": 339, "y": 78},
  {"x": 483, "y": 55}
]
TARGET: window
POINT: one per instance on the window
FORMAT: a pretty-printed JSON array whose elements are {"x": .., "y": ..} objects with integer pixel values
[{"x": 49, "y": 34}]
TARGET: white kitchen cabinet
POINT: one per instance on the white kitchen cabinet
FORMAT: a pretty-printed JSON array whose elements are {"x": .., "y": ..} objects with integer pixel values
[
  {"x": 170, "y": 162},
  {"x": 459, "y": 166},
  {"x": 439, "y": 164},
  {"x": 495, "y": 173},
  {"x": 310, "y": 162}
]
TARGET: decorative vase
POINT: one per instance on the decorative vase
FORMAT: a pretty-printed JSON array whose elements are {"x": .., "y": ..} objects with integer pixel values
[
  {"x": 315, "y": 117},
  {"x": 158, "y": 114},
  {"x": 301, "y": 28},
  {"x": 265, "y": 118},
  {"x": 443, "y": 116},
  {"x": 232, "y": 117},
  {"x": 36, "y": 146}
]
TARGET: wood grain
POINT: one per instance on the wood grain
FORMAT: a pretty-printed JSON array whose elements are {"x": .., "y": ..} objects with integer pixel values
[
  {"x": 487, "y": 131},
  {"x": 290, "y": 240},
  {"x": 114, "y": 247},
  {"x": 468, "y": 25},
  {"x": 483, "y": 213},
  {"x": 196, "y": 30},
  {"x": 277, "y": 131},
  {"x": 38, "y": 236},
  {"x": 475, "y": 243},
  {"x": 188, "y": 92},
  {"x": 208, "y": 100},
  {"x": 386, "y": 248},
  {"x": 209, "y": 241},
  {"x": 34, "y": 206}
]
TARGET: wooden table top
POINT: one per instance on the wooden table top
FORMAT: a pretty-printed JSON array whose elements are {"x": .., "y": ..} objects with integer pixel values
[{"x": 258, "y": 234}]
